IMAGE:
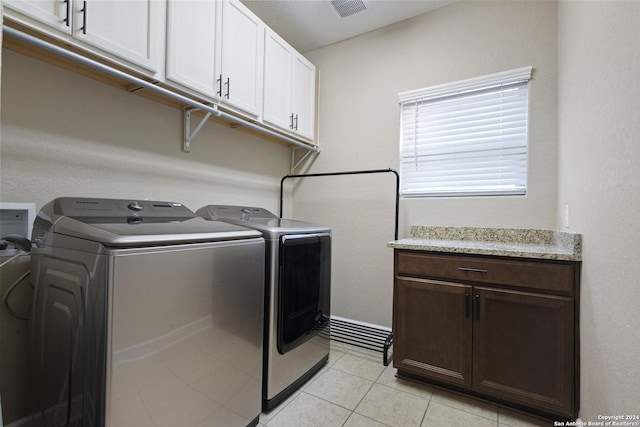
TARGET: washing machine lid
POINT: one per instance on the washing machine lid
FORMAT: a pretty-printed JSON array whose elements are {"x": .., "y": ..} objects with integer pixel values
[
  {"x": 259, "y": 219},
  {"x": 124, "y": 223}
]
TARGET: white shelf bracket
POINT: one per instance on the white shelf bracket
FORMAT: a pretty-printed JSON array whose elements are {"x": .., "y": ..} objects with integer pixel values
[
  {"x": 188, "y": 135},
  {"x": 295, "y": 164}
]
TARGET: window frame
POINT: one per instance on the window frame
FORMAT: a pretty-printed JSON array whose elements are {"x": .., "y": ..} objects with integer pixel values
[{"x": 459, "y": 89}]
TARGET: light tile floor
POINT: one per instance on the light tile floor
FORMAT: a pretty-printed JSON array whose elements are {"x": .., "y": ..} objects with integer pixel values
[{"x": 356, "y": 390}]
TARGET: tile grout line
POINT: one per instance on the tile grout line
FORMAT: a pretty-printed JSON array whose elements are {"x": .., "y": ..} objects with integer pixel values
[
  {"x": 283, "y": 405},
  {"x": 352, "y": 411},
  {"x": 497, "y": 420},
  {"x": 424, "y": 416},
  {"x": 361, "y": 399},
  {"x": 337, "y": 404}
]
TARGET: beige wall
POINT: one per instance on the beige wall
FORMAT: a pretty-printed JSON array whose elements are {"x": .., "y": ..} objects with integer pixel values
[
  {"x": 359, "y": 129},
  {"x": 63, "y": 134},
  {"x": 599, "y": 150}
]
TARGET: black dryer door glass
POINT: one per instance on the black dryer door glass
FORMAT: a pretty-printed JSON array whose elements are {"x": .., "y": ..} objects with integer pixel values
[{"x": 304, "y": 286}]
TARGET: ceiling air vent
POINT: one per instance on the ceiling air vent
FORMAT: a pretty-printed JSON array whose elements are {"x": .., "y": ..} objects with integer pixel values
[{"x": 348, "y": 7}]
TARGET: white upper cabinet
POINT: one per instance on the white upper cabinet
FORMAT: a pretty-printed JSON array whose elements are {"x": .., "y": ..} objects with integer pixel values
[
  {"x": 216, "y": 49},
  {"x": 191, "y": 45},
  {"x": 128, "y": 30},
  {"x": 289, "y": 88},
  {"x": 125, "y": 28},
  {"x": 277, "y": 81},
  {"x": 55, "y": 13},
  {"x": 304, "y": 96},
  {"x": 241, "y": 53}
]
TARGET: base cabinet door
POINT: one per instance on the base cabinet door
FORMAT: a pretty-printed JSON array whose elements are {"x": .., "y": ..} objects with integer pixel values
[
  {"x": 501, "y": 329},
  {"x": 433, "y": 329},
  {"x": 523, "y": 347}
]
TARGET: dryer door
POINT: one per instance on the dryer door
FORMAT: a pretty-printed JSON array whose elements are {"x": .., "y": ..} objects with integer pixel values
[{"x": 304, "y": 288}]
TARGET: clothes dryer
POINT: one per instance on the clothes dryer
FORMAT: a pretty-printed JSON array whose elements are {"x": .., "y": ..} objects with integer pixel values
[{"x": 297, "y": 296}]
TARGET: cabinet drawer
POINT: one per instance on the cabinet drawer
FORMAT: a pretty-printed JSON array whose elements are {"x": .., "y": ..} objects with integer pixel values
[{"x": 543, "y": 275}]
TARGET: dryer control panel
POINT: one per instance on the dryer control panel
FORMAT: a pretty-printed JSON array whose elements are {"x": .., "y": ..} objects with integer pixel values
[{"x": 235, "y": 212}]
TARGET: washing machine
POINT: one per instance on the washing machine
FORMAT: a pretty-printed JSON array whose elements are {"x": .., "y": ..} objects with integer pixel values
[
  {"x": 297, "y": 296},
  {"x": 145, "y": 314}
]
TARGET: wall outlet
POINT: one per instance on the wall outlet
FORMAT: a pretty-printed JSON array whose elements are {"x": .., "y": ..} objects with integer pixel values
[
  {"x": 566, "y": 216},
  {"x": 17, "y": 218}
]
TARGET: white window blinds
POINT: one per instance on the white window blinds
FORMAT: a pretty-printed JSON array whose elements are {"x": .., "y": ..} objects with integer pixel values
[{"x": 466, "y": 138}]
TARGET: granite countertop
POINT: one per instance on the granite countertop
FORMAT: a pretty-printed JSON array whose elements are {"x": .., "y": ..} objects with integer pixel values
[{"x": 510, "y": 242}]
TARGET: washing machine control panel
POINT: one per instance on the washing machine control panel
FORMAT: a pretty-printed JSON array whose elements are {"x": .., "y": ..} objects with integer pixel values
[{"x": 115, "y": 208}]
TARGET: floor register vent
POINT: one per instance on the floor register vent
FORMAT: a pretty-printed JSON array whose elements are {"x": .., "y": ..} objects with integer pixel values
[{"x": 363, "y": 335}]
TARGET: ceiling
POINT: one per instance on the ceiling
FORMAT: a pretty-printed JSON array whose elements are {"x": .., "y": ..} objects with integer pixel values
[{"x": 311, "y": 24}]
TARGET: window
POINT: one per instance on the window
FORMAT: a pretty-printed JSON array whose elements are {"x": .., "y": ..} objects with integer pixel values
[{"x": 466, "y": 138}]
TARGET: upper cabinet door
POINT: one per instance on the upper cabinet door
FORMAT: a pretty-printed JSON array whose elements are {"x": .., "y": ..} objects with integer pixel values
[
  {"x": 128, "y": 29},
  {"x": 242, "y": 54},
  {"x": 191, "y": 45},
  {"x": 277, "y": 81},
  {"x": 55, "y": 13},
  {"x": 289, "y": 88},
  {"x": 304, "y": 91}
]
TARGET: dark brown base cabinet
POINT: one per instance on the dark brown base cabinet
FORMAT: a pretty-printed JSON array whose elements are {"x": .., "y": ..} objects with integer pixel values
[{"x": 503, "y": 329}]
